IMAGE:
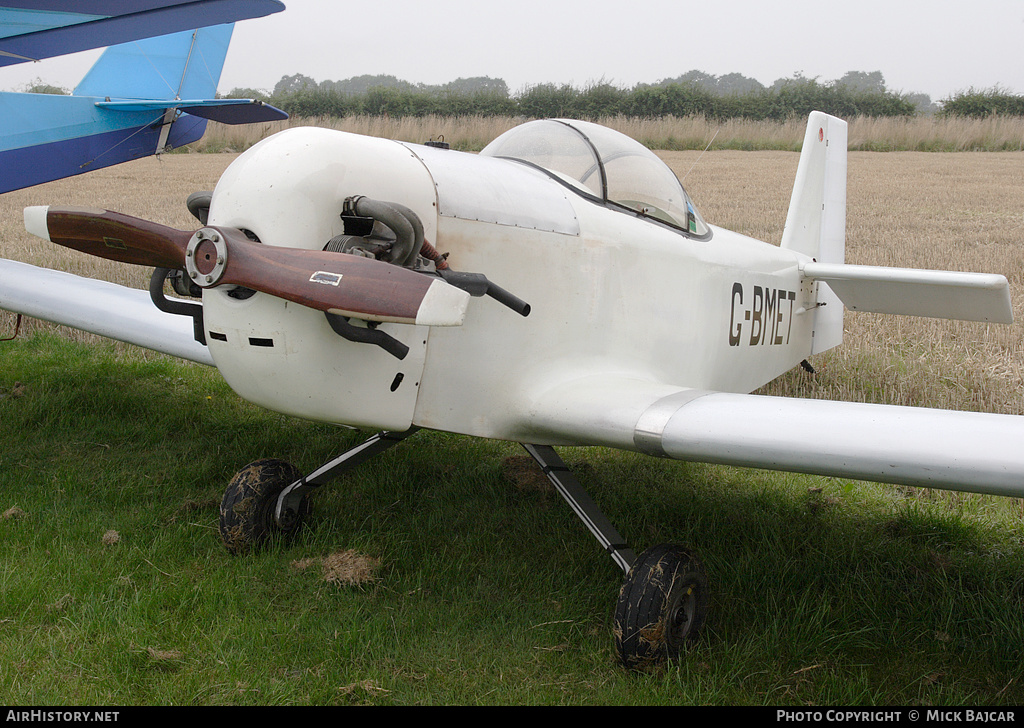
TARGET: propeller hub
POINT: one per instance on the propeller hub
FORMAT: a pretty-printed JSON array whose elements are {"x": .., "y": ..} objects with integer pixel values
[{"x": 206, "y": 257}]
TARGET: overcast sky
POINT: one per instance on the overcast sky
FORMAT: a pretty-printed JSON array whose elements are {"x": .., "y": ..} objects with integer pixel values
[{"x": 936, "y": 47}]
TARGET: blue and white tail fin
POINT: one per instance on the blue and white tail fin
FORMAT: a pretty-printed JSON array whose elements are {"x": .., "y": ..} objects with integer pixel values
[
  {"x": 816, "y": 222},
  {"x": 139, "y": 99},
  {"x": 173, "y": 72},
  {"x": 185, "y": 65}
]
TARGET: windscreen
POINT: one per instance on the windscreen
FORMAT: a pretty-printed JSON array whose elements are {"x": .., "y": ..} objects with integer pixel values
[{"x": 604, "y": 163}]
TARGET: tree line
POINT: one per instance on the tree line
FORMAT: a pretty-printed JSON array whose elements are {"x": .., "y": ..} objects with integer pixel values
[
  {"x": 984, "y": 103},
  {"x": 695, "y": 93},
  {"x": 731, "y": 96}
]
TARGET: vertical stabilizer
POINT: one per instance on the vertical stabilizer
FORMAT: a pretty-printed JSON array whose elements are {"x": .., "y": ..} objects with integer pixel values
[
  {"x": 184, "y": 65},
  {"x": 816, "y": 223}
]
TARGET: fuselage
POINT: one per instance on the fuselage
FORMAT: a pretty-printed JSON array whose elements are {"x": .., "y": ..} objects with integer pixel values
[{"x": 611, "y": 293}]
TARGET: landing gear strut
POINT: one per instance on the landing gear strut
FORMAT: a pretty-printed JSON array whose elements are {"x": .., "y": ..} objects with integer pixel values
[{"x": 663, "y": 600}]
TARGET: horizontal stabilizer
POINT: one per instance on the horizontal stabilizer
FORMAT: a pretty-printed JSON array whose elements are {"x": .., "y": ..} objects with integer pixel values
[
  {"x": 106, "y": 309},
  {"x": 966, "y": 451},
  {"x": 913, "y": 292},
  {"x": 225, "y": 111}
]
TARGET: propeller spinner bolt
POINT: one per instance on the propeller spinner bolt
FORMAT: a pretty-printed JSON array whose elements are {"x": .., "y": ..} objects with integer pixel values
[{"x": 206, "y": 257}]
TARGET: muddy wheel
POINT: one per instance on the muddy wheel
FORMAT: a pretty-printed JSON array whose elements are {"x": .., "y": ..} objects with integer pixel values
[
  {"x": 662, "y": 606},
  {"x": 247, "y": 510}
]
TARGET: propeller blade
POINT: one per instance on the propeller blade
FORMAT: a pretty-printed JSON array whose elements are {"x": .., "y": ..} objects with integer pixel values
[
  {"x": 336, "y": 283},
  {"x": 109, "y": 235}
]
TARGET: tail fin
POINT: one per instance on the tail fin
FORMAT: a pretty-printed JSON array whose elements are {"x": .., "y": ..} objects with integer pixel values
[
  {"x": 171, "y": 73},
  {"x": 816, "y": 222},
  {"x": 137, "y": 100},
  {"x": 816, "y": 227},
  {"x": 185, "y": 65}
]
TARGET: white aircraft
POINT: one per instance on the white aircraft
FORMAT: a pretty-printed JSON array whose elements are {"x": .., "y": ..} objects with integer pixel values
[{"x": 615, "y": 316}]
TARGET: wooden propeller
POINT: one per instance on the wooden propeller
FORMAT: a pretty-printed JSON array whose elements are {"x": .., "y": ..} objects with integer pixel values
[{"x": 336, "y": 283}]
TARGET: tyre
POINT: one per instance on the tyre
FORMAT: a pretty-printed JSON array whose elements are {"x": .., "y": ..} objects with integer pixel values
[
  {"x": 662, "y": 606},
  {"x": 247, "y": 510}
]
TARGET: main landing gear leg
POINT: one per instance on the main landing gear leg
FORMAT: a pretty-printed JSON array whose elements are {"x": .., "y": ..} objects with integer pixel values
[
  {"x": 582, "y": 505},
  {"x": 270, "y": 496},
  {"x": 664, "y": 598}
]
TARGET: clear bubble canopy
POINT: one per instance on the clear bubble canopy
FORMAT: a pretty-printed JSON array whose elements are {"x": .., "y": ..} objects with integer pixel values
[{"x": 603, "y": 163}]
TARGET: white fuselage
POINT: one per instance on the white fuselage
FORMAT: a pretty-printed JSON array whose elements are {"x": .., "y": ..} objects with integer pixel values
[{"x": 611, "y": 294}]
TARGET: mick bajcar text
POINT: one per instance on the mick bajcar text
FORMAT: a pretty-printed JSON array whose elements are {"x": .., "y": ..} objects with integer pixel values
[{"x": 958, "y": 715}]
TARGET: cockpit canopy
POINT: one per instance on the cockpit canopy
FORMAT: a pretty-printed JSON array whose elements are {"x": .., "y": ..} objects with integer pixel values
[{"x": 600, "y": 162}]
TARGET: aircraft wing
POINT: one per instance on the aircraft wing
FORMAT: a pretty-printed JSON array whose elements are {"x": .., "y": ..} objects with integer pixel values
[
  {"x": 103, "y": 308},
  {"x": 968, "y": 451},
  {"x": 31, "y": 30}
]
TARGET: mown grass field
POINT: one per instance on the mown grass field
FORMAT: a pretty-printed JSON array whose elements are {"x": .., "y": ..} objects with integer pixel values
[{"x": 441, "y": 573}]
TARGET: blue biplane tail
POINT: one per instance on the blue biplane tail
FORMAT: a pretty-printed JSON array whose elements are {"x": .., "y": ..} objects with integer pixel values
[{"x": 139, "y": 99}]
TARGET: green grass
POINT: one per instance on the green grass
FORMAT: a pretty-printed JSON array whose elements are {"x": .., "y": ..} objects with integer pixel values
[{"x": 824, "y": 591}]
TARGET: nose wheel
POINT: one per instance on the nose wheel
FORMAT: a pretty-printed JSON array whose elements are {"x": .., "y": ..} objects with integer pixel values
[{"x": 247, "y": 511}]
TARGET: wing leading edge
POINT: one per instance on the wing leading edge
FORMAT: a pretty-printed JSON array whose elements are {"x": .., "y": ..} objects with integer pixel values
[
  {"x": 36, "y": 29},
  {"x": 966, "y": 451},
  {"x": 99, "y": 307}
]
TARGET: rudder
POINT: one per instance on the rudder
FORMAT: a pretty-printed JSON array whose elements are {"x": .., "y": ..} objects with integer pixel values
[{"x": 816, "y": 222}]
